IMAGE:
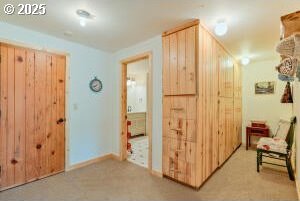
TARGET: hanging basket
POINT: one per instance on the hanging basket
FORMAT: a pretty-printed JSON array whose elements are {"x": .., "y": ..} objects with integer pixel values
[
  {"x": 288, "y": 66},
  {"x": 286, "y": 47},
  {"x": 297, "y": 46}
]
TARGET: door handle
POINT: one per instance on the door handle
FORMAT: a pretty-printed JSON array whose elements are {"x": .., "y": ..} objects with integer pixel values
[{"x": 60, "y": 121}]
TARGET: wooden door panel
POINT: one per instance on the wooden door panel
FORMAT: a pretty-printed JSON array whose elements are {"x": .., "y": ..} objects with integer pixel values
[
  {"x": 4, "y": 115},
  {"x": 48, "y": 114},
  {"x": 238, "y": 121},
  {"x": 32, "y": 95},
  {"x": 61, "y": 74},
  {"x": 40, "y": 112},
  {"x": 226, "y": 131},
  {"x": 166, "y": 65},
  {"x": 229, "y": 128},
  {"x": 182, "y": 89},
  {"x": 11, "y": 117},
  {"x": 32, "y": 171},
  {"x": 173, "y": 64},
  {"x": 237, "y": 81},
  {"x": 225, "y": 64},
  {"x": 20, "y": 115},
  {"x": 53, "y": 156},
  {"x": 190, "y": 56}
]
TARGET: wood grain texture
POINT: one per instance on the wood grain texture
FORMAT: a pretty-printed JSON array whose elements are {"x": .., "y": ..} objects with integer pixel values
[
  {"x": 4, "y": 115},
  {"x": 237, "y": 80},
  {"x": 32, "y": 171},
  {"x": 208, "y": 120},
  {"x": 11, "y": 117},
  {"x": 20, "y": 115},
  {"x": 29, "y": 89},
  {"x": 166, "y": 66},
  {"x": 174, "y": 84},
  {"x": 61, "y": 75}
]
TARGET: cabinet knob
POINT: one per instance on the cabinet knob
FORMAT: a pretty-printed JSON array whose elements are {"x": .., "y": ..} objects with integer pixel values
[{"x": 38, "y": 146}]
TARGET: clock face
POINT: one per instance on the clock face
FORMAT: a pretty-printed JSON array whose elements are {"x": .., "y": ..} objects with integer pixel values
[{"x": 96, "y": 85}]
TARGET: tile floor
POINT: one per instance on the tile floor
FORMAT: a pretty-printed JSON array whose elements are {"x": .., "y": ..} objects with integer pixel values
[{"x": 140, "y": 148}]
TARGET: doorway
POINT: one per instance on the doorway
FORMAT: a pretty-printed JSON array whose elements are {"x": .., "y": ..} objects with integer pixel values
[{"x": 136, "y": 113}]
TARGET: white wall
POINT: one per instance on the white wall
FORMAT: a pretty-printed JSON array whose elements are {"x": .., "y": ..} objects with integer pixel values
[
  {"x": 155, "y": 46},
  {"x": 263, "y": 107},
  {"x": 137, "y": 94},
  {"x": 90, "y": 115}
]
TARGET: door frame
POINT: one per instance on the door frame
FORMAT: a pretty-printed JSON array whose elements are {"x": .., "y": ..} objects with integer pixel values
[
  {"x": 67, "y": 87},
  {"x": 123, "y": 105}
]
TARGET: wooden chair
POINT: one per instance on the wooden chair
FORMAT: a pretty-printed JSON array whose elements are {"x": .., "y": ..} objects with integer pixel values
[{"x": 279, "y": 149}]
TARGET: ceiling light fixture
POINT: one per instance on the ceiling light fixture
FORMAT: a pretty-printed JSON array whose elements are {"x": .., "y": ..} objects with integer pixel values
[
  {"x": 82, "y": 22},
  {"x": 221, "y": 28},
  {"x": 245, "y": 61},
  {"x": 84, "y": 16}
]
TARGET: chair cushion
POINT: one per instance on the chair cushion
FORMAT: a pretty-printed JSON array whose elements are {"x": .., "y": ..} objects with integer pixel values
[
  {"x": 282, "y": 129},
  {"x": 272, "y": 144}
]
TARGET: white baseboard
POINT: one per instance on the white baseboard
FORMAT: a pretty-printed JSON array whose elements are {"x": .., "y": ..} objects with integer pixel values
[
  {"x": 92, "y": 161},
  {"x": 156, "y": 173}
]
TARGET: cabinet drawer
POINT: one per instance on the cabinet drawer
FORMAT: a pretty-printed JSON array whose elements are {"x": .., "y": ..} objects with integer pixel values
[
  {"x": 180, "y": 170},
  {"x": 180, "y": 107},
  {"x": 179, "y": 150},
  {"x": 178, "y": 128}
]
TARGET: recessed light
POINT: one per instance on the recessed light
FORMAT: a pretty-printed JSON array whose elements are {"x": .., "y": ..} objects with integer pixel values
[
  {"x": 245, "y": 61},
  {"x": 221, "y": 28}
]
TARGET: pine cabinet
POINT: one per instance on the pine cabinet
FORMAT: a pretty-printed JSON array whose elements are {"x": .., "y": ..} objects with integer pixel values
[
  {"x": 179, "y": 66},
  {"x": 201, "y": 104}
]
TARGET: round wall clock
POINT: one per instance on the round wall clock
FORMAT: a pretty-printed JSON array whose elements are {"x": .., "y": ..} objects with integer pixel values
[{"x": 96, "y": 85}]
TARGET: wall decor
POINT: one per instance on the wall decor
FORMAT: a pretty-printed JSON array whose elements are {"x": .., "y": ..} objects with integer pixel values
[
  {"x": 287, "y": 96},
  {"x": 265, "y": 87},
  {"x": 96, "y": 85}
]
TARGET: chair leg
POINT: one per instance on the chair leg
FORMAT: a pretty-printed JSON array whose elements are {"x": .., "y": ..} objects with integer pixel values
[
  {"x": 289, "y": 167},
  {"x": 260, "y": 158},
  {"x": 257, "y": 160}
]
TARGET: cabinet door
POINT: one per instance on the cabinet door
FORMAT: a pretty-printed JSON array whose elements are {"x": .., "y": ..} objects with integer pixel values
[
  {"x": 166, "y": 65},
  {"x": 225, "y": 74},
  {"x": 179, "y": 160},
  {"x": 174, "y": 64},
  {"x": 238, "y": 121},
  {"x": 237, "y": 81},
  {"x": 226, "y": 134},
  {"x": 179, "y": 65},
  {"x": 190, "y": 57}
]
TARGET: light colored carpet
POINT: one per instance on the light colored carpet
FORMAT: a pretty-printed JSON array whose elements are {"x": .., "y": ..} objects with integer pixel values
[
  {"x": 140, "y": 148},
  {"x": 114, "y": 180}
]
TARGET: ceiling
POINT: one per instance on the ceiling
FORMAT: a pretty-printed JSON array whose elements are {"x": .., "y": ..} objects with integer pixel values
[{"x": 253, "y": 24}]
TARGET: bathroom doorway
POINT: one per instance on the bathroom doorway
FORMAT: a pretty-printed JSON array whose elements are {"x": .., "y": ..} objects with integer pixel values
[{"x": 137, "y": 110}]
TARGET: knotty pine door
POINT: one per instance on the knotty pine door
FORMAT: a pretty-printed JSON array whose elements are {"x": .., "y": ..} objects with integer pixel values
[
  {"x": 32, "y": 134},
  {"x": 179, "y": 68}
]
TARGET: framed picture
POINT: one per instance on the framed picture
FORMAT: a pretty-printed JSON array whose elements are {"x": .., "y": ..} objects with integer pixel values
[{"x": 265, "y": 87}]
